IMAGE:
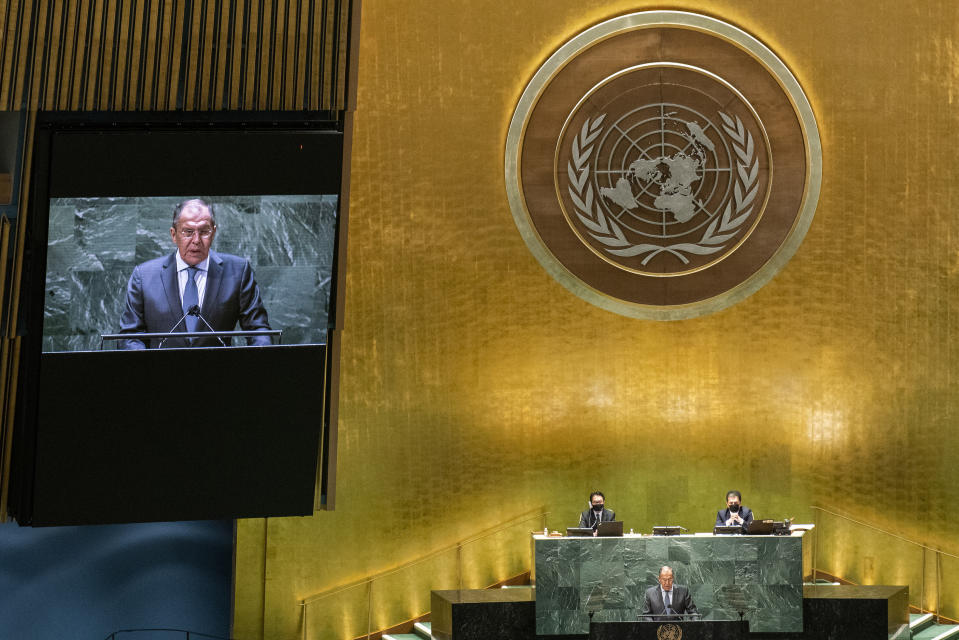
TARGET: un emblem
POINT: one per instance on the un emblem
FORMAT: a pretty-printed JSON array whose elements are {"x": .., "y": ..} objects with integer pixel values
[
  {"x": 669, "y": 632},
  {"x": 663, "y": 165}
]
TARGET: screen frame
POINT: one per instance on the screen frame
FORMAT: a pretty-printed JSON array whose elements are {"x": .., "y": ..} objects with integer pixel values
[{"x": 138, "y": 135}]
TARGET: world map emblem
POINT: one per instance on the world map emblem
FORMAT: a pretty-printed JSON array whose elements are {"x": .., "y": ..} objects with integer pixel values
[
  {"x": 669, "y": 631},
  {"x": 663, "y": 165}
]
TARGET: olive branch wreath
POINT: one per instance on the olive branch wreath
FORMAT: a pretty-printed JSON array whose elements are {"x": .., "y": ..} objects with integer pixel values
[{"x": 606, "y": 230}]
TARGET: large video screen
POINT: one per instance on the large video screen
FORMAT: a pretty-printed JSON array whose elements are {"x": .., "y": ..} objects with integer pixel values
[
  {"x": 94, "y": 244},
  {"x": 248, "y": 436}
]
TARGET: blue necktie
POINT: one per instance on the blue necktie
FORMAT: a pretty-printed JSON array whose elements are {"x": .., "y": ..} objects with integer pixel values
[
  {"x": 191, "y": 296},
  {"x": 666, "y": 601}
]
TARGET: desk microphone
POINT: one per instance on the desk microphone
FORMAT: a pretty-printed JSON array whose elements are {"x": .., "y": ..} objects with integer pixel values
[
  {"x": 590, "y": 597},
  {"x": 195, "y": 311},
  {"x": 182, "y": 318}
]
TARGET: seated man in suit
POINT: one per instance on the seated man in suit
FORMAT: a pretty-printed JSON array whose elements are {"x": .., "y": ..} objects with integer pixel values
[
  {"x": 596, "y": 513},
  {"x": 162, "y": 291},
  {"x": 668, "y": 600},
  {"x": 735, "y": 512}
]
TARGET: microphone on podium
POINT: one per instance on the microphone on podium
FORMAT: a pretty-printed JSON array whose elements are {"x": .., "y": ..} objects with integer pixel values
[
  {"x": 182, "y": 318},
  {"x": 195, "y": 311}
]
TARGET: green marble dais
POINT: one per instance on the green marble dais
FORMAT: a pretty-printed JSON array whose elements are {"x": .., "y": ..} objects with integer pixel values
[{"x": 758, "y": 575}]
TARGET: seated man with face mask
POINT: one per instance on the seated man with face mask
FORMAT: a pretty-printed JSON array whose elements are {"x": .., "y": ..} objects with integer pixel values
[
  {"x": 735, "y": 512},
  {"x": 596, "y": 513}
]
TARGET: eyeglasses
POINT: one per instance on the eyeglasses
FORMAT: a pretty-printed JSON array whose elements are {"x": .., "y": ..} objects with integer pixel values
[{"x": 204, "y": 233}]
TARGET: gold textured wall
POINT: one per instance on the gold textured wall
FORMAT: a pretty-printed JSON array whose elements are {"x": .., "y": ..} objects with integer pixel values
[{"x": 475, "y": 388}]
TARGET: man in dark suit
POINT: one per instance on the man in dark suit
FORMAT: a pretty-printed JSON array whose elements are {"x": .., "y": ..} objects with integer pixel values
[
  {"x": 735, "y": 512},
  {"x": 668, "y": 599},
  {"x": 596, "y": 513},
  {"x": 163, "y": 290}
]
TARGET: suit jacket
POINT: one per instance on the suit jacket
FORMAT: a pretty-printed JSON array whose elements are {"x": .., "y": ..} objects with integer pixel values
[
  {"x": 153, "y": 302},
  {"x": 588, "y": 518},
  {"x": 680, "y": 602},
  {"x": 744, "y": 512}
]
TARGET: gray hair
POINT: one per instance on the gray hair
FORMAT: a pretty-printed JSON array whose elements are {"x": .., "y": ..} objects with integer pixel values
[{"x": 195, "y": 202}]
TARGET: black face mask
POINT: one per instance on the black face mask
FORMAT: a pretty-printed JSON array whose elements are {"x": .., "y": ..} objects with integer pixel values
[
  {"x": 598, "y": 507},
  {"x": 734, "y": 508}
]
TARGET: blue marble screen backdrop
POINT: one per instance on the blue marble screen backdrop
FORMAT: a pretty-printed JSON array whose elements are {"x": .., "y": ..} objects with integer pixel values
[{"x": 94, "y": 243}]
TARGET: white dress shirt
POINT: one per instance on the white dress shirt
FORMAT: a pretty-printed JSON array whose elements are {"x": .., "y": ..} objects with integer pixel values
[{"x": 200, "y": 279}]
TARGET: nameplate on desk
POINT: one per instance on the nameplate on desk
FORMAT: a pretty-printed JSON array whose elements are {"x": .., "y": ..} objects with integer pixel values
[
  {"x": 731, "y": 530},
  {"x": 667, "y": 531}
]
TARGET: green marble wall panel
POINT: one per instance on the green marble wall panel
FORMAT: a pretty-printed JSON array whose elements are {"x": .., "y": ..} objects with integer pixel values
[
  {"x": 94, "y": 243},
  {"x": 760, "y": 575}
]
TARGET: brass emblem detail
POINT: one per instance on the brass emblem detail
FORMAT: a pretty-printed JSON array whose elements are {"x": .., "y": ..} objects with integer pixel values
[
  {"x": 666, "y": 188},
  {"x": 669, "y": 631},
  {"x": 663, "y": 165}
]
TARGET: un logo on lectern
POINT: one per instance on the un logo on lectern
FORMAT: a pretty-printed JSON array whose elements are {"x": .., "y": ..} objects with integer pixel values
[
  {"x": 669, "y": 631},
  {"x": 663, "y": 165}
]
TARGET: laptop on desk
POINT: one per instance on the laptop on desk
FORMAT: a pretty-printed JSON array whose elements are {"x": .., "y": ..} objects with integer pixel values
[
  {"x": 609, "y": 529},
  {"x": 761, "y": 528}
]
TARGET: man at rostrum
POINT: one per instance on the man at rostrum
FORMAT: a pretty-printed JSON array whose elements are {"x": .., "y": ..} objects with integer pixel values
[
  {"x": 596, "y": 513},
  {"x": 735, "y": 512},
  {"x": 163, "y": 290},
  {"x": 667, "y": 599}
]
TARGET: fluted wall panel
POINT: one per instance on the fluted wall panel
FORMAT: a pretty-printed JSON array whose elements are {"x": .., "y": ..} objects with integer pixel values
[{"x": 163, "y": 55}]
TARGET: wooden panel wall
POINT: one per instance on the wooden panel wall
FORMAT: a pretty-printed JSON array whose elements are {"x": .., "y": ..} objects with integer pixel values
[{"x": 164, "y": 55}]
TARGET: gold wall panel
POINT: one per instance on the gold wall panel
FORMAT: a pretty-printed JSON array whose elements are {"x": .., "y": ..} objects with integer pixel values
[{"x": 475, "y": 388}]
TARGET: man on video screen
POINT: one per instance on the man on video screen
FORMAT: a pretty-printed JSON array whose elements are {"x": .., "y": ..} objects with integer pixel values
[{"x": 192, "y": 287}]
